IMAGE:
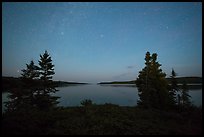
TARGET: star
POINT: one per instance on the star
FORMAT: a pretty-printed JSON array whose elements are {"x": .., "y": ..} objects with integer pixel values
[
  {"x": 101, "y": 35},
  {"x": 71, "y": 12},
  {"x": 156, "y": 9}
]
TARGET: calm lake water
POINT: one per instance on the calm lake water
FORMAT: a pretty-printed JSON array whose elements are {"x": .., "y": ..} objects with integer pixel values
[{"x": 123, "y": 95}]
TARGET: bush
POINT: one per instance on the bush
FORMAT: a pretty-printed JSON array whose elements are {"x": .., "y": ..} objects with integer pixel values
[{"x": 86, "y": 102}]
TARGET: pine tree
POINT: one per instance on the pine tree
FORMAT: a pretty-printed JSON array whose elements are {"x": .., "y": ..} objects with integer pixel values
[
  {"x": 152, "y": 85},
  {"x": 44, "y": 98}
]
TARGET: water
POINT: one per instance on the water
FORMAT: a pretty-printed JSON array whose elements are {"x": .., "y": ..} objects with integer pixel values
[
  {"x": 123, "y": 95},
  {"x": 4, "y": 99}
]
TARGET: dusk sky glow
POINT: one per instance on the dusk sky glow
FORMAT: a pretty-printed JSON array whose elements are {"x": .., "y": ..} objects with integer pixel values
[{"x": 94, "y": 42}]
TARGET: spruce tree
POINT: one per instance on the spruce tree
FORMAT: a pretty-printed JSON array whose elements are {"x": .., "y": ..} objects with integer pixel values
[
  {"x": 31, "y": 72},
  {"x": 173, "y": 88},
  {"x": 185, "y": 97},
  {"x": 22, "y": 98},
  {"x": 152, "y": 85},
  {"x": 142, "y": 83},
  {"x": 46, "y": 69}
]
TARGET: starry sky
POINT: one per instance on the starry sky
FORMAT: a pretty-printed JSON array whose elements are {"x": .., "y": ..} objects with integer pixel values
[{"x": 94, "y": 42}]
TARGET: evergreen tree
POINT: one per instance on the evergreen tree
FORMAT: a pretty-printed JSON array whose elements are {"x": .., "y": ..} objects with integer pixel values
[
  {"x": 31, "y": 72},
  {"x": 44, "y": 98},
  {"x": 173, "y": 88},
  {"x": 23, "y": 97},
  {"x": 142, "y": 83},
  {"x": 185, "y": 97},
  {"x": 152, "y": 85}
]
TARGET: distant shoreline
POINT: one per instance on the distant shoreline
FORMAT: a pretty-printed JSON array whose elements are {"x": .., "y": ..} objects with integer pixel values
[
  {"x": 9, "y": 83},
  {"x": 189, "y": 80}
]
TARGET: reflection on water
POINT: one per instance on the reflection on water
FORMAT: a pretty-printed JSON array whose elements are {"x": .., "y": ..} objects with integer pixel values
[
  {"x": 123, "y": 95},
  {"x": 119, "y": 85},
  {"x": 196, "y": 96},
  {"x": 4, "y": 99}
]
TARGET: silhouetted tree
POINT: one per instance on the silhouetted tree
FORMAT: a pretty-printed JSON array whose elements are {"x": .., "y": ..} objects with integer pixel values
[
  {"x": 22, "y": 98},
  {"x": 152, "y": 85},
  {"x": 173, "y": 88},
  {"x": 46, "y": 70},
  {"x": 31, "y": 72},
  {"x": 142, "y": 83},
  {"x": 185, "y": 97},
  {"x": 29, "y": 109}
]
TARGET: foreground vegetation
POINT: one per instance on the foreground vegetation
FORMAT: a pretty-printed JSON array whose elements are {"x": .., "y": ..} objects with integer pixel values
[{"x": 105, "y": 119}]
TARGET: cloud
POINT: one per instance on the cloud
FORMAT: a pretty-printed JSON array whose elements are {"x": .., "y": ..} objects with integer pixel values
[
  {"x": 123, "y": 75},
  {"x": 130, "y": 67}
]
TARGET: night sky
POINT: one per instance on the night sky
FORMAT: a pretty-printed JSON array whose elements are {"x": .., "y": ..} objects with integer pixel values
[{"x": 93, "y": 42}]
